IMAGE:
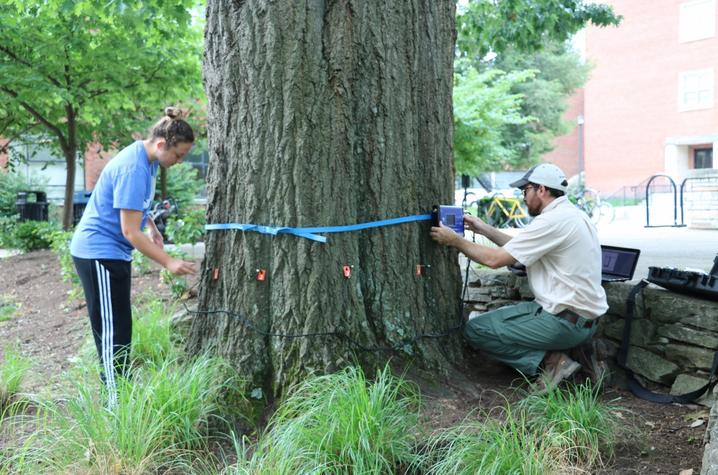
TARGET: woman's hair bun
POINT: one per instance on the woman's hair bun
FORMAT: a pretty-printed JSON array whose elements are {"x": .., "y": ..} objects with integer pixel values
[
  {"x": 172, "y": 127},
  {"x": 176, "y": 113}
]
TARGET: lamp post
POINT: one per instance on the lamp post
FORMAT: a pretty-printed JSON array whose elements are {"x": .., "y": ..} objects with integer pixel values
[{"x": 580, "y": 121}]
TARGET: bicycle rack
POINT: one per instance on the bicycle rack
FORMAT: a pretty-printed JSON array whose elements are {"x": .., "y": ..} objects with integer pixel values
[
  {"x": 680, "y": 194},
  {"x": 675, "y": 204}
]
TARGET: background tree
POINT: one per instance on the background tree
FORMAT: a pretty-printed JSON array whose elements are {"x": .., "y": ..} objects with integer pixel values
[
  {"x": 326, "y": 113},
  {"x": 558, "y": 72},
  {"x": 484, "y": 109},
  {"x": 93, "y": 71},
  {"x": 494, "y": 26},
  {"x": 526, "y": 39}
]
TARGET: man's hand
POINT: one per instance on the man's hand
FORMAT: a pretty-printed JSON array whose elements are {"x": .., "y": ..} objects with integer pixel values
[
  {"x": 478, "y": 226},
  {"x": 444, "y": 235},
  {"x": 180, "y": 267},
  {"x": 472, "y": 223}
]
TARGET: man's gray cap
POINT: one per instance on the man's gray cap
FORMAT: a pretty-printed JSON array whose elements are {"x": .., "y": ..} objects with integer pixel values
[{"x": 544, "y": 174}]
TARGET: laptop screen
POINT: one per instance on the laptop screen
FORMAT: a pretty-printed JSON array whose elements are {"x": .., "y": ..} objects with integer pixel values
[{"x": 619, "y": 261}]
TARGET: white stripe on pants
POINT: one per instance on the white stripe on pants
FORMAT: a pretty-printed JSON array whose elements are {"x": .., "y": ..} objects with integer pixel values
[{"x": 103, "y": 279}]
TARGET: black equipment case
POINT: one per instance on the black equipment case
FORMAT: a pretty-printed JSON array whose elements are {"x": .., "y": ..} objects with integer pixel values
[{"x": 697, "y": 284}]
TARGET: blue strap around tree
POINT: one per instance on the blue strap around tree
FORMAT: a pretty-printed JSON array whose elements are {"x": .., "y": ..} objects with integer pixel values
[{"x": 312, "y": 232}]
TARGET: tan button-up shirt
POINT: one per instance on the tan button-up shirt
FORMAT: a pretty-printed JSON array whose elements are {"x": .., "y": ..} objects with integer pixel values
[{"x": 562, "y": 255}]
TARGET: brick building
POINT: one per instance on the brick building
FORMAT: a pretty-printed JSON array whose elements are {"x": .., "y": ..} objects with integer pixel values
[{"x": 649, "y": 105}]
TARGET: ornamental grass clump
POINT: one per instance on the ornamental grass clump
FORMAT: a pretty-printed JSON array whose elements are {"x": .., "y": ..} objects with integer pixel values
[
  {"x": 13, "y": 371},
  {"x": 498, "y": 443},
  {"x": 151, "y": 334},
  {"x": 560, "y": 431},
  {"x": 159, "y": 424},
  {"x": 585, "y": 426},
  {"x": 340, "y": 423}
]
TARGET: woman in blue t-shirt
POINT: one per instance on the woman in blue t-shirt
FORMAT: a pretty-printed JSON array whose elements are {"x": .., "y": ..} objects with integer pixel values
[{"x": 112, "y": 226}]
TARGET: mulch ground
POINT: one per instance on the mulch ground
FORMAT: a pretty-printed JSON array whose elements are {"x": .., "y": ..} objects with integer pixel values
[{"x": 49, "y": 327}]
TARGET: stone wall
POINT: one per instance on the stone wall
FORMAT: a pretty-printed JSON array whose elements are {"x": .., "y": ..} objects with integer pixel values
[
  {"x": 673, "y": 339},
  {"x": 701, "y": 199}
]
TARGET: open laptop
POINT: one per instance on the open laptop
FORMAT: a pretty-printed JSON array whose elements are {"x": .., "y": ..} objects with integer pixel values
[{"x": 619, "y": 263}]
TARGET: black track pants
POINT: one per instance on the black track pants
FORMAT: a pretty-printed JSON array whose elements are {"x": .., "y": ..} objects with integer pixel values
[{"x": 106, "y": 283}]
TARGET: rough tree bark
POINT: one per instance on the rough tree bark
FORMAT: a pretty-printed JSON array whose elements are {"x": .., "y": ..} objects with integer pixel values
[{"x": 324, "y": 113}]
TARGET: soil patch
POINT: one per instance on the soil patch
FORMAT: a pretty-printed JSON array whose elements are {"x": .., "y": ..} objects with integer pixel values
[{"x": 39, "y": 316}]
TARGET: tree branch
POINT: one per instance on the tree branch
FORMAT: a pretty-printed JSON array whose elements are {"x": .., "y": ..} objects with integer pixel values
[
  {"x": 4, "y": 147},
  {"x": 17, "y": 59},
  {"x": 42, "y": 120},
  {"x": 149, "y": 77}
]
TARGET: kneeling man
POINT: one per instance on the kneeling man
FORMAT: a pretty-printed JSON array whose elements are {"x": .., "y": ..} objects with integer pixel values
[{"x": 562, "y": 255}]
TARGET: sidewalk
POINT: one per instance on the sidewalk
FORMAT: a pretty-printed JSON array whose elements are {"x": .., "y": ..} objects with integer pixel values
[
  {"x": 661, "y": 247},
  {"x": 9, "y": 252}
]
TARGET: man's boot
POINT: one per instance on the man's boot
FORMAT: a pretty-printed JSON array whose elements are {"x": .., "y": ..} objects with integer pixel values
[
  {"x": 592, "y": 356},
  {"x": 557, "y": 367}
]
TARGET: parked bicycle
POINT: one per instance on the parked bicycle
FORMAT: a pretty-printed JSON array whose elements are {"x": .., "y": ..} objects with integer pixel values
[
  {"x": 501, "y": 211},
  {"x": 160, "y": 211},
  {"x": 588, "y": 199}
]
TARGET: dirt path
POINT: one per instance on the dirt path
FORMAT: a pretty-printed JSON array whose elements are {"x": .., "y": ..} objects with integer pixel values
[
  {"x": 45, "y": 320},
  {"x": 50, "y": 329}
]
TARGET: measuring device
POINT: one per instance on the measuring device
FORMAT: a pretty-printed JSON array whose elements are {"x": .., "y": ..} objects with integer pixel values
[{"x": 450, "y": 216}]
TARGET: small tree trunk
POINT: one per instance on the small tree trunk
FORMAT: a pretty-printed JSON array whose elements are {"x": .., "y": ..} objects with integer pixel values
[
  {"x": 325, "y": 113},
  {"x": 69, "y": 148},
  {"x": 67, "y": 212}
]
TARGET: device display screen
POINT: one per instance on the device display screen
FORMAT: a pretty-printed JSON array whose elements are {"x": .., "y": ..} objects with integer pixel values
[{"x": 617, "y": 262}]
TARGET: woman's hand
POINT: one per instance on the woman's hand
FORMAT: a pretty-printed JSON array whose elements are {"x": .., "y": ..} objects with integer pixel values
[
  {"x": 154, "y": 234},
  {"x": 180, "y": 267}
]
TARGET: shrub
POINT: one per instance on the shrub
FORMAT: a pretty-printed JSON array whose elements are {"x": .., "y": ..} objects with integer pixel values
[
  {"x": 141, "y": 264},
  {"x": 7, "y": 231},
  {"x": 35, "y": 235},
  {"x": 183, "y": 184},
  {"x": 60, "y": 243},
  {"x": 177, "y": 283},
  {"x": 340, "y": 423},
  {"x": 10, "y": 184},
  {"x": 187, "y": 229}
]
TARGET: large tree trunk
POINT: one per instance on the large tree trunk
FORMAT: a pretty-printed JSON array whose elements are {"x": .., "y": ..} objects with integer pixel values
[{"x": 326, "y": 113}]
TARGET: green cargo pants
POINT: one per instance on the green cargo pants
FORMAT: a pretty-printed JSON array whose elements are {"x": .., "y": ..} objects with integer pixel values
[{"x": 520, "y": 335}]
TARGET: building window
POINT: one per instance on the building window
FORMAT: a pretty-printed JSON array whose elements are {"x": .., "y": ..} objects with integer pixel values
[
  {"x": 703, "y": 158},
  {"x": 697, "y": 20},
  {"x": 695, "y": 89}
]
